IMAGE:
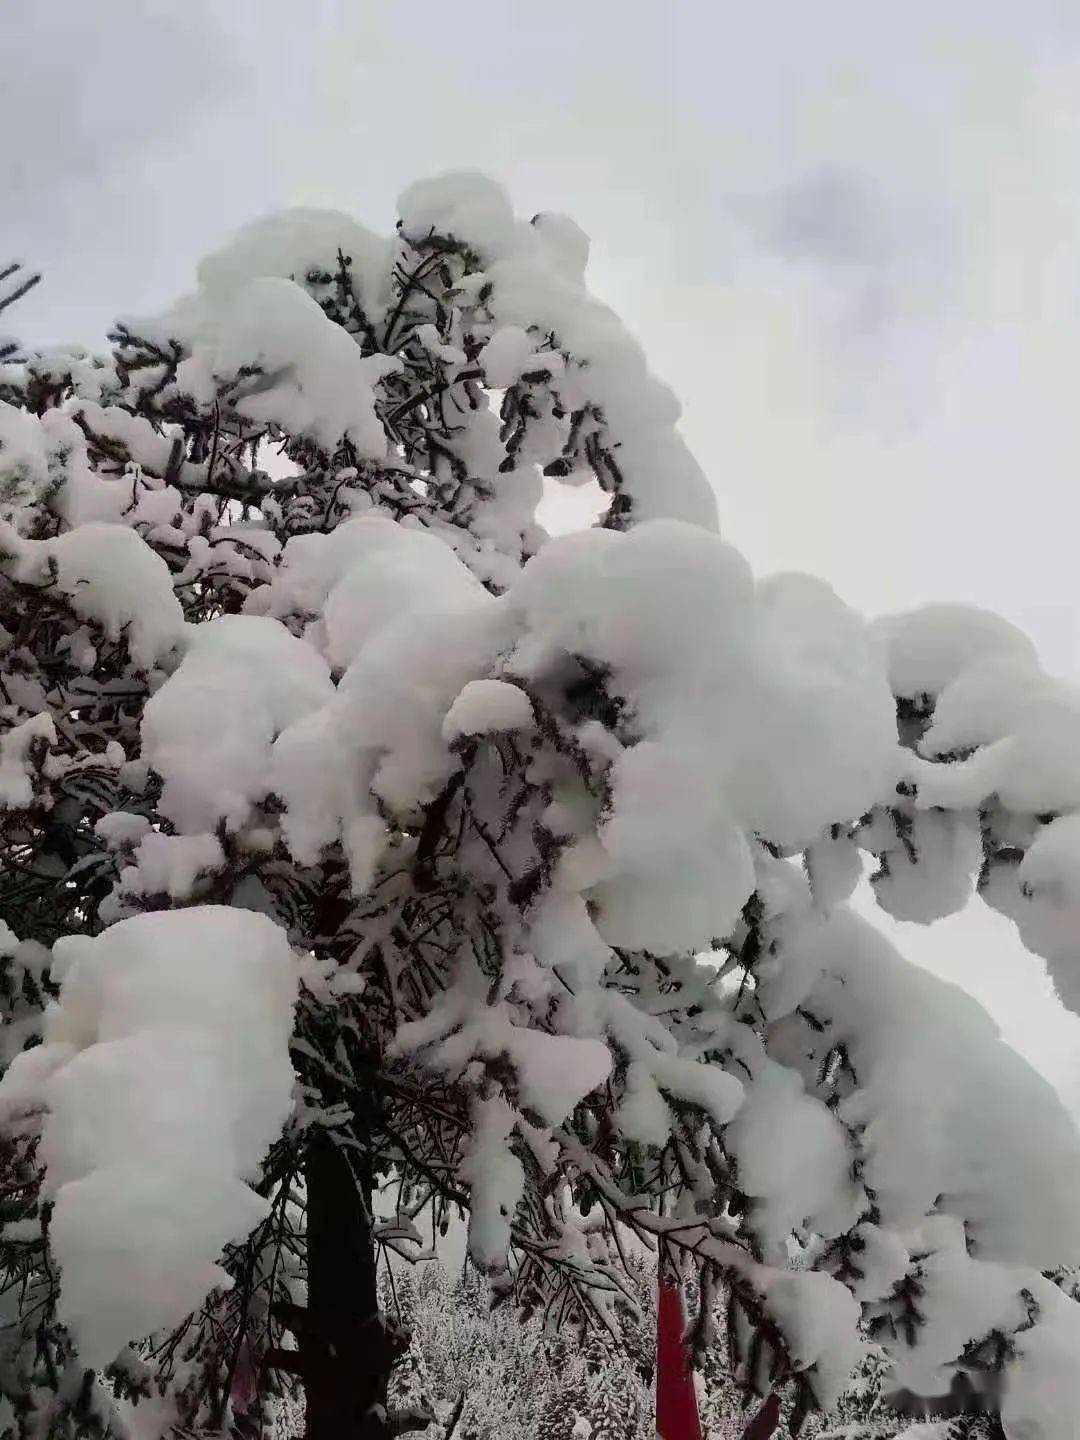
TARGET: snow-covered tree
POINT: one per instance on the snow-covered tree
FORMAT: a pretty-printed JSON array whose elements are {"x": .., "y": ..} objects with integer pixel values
[
  {"x": 358, "y": 840},
  {"x": 618, "y": 1404},
  {"x": 518, "y": 1384},
  {"x": 564, "y": 1409},
  {"x": 511, "y": 1380}
]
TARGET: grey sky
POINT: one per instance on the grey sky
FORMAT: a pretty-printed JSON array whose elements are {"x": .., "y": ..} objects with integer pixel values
[{"x": 847, "y": 234}]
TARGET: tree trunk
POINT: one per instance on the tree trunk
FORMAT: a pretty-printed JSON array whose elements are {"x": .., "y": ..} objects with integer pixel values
[{"x": 346, "y": 1350}]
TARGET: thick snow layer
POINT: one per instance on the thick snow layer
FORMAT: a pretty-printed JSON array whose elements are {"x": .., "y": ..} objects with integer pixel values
[
  {"x": 966, "y": 1300},
  {"x": 939, "y": 1127},
  {"x": 393, "y": 698},
  {"x": 665, "y": 829},
  {"x": 165, "y": 1075},
  {"x": 506, "y": 355},
  {"x": 643, "y": 1114},
  {"x": 209, "y": 730},
  {"x": 834, "y": 868},
  {"x": 567, "y": 244},
  {"x": 1041, "y": 895},
  {"x": 464, "y": 205},
  {"x": 43, "y": 462},
  {"x": 428, "y": 335},
  {"x": 415, "y": 627},
  {"x": 791, "y": 1152},
  {"x": 323, "y": 786},
  {"x": 963, "y": 1300},
  {"x": 553, "y": 1072},
  {"x": 536, "y": 273},
  {"x": 1042, "y": 1384},
  {"x": 821, "y": 704},
  {"x": 16, "y": 747},
  {"x": 759, "y": 709},
  {"x": 756, "y": 709},
  {"x": 487, "y": 707},
  {"x": 1002, "y": 740},
  {"x": 110, "y": 576},
  {"x": 819, "y": 1317},
  {"x": 883, "y": 1261},
  {"x": 661, "y": 1068},
  {"x": 928, "y": 647},
  {"x": 988, "y": 700},
  {"x": 290, "y": 245},
  {"x": 950, "y": 1118},
  {"x": 1028, "y": 726},
  {"x": 29, "y": 462},
  {"x": 146, "y": 445},
  {"x": 939, "y": 880},
  {"x": 496, "y": 1182},
  {"x": 170, "y": 864},
  {"x": 1052, "y": 863},
  {"x": 257, "y": 305},
  {"x": 121, "y": 828},
  {"x": 364, "y": 575},
  {"x": 314, "y": 379}
]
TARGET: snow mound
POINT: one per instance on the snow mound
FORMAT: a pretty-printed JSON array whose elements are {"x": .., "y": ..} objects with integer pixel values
[
  {"x": 928, "y": 647},
  {"x": 535, "y": 271},
  {"x": 110, "y": 576},
  {"x": 313, "y": 378},
  {"x": 290, "y": 245},
  {"x": 165, "y": 1073},
  {"x": 209, "y": 730}
]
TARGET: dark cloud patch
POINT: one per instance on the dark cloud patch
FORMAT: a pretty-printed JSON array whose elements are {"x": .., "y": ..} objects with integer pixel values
[
  {"x": 831, "y": 217},
  {"x": 122, "y": 130},
  {"x": 81, "y": 94}
]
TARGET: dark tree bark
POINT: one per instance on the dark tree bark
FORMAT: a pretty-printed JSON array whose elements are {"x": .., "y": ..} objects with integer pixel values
[{"x": 347, "y": 1350}]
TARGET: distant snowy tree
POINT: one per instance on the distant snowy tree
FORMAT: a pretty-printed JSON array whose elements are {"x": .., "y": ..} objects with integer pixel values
[
  {"x": 863, "y": 1411},
  {"x": 637, "y": 1324},
  {"x": 501, "y": 1373},
  {"x": 518, "y": 1384},
  {"x": 367, "y": 855},
  {"x": 563, "y": 1409},
  {"x": 618, "y": 1404}
]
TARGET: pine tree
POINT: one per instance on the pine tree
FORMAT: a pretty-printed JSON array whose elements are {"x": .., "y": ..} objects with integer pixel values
[
  {"x": 611, "y": 1404},
  {"x": 409, "y": 1392},
  {"x": 568, "y": 1402},
  {"x": 863, "y": 1412},
  {"x": 613, "y": 1407},
  {"x": 358, "y": 845}
]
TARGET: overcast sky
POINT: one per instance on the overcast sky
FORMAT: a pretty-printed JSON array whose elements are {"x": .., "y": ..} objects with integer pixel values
[{"x": 845, "y": 231}]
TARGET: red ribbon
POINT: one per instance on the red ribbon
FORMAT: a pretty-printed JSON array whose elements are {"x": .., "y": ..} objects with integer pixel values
[{"x": 676, "y": 1398}]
